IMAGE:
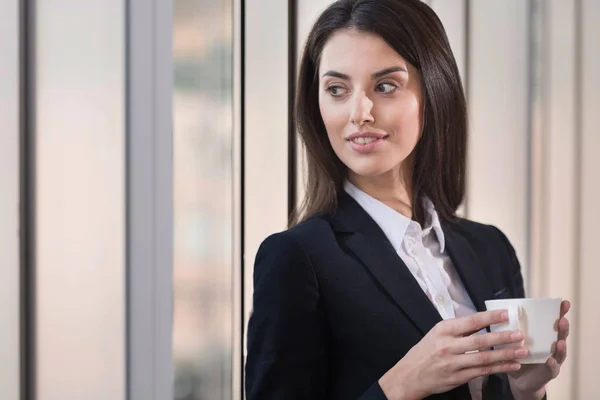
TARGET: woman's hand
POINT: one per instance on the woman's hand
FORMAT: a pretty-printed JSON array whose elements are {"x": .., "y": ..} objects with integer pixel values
[
  {"x": 438, "y": 363},
  {"x": 530, "y": 381}
]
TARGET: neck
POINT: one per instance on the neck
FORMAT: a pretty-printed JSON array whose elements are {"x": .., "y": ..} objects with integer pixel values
[{"x": 393, "y": 189}]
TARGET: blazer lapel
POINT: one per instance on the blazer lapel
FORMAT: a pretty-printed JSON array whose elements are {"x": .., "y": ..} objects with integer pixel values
[
  {"x": 468, "y": 267},
  {"x": 368, "y": 242}
]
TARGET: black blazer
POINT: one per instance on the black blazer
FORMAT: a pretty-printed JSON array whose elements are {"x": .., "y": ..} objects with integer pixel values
[{"x": 335, "y": 307}]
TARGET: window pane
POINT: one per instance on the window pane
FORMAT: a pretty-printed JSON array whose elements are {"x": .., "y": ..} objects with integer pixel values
[
  {"x": 80, "y": 200},
  {"x": 9, "y": 200},
  {"x": 203, "y": 140}
]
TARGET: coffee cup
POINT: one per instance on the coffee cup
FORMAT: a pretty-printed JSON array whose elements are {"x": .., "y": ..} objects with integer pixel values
[{"x": 536, "y": 318}]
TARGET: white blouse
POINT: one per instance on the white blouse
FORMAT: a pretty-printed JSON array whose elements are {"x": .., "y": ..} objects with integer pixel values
[{"x": 424, "y": 253}]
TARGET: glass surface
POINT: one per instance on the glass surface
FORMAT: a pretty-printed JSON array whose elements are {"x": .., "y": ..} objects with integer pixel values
[
  {"x": 80, "y": 200},
  {"x": 9, "y": 202},
  {"x": 203, "y": 142}
]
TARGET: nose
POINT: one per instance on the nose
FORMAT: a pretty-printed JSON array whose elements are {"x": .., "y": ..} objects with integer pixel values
[{"x": 361, "y": 109}]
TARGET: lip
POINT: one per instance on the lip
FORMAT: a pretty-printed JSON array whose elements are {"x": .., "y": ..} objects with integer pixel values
[
  {"x": 369, "y": 147},
  {"x": 374, "y": 135}
]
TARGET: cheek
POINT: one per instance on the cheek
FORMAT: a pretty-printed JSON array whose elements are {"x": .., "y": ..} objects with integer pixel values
[
  {"x": 405, "y": 120},
  {"x": 334, "y": 118}
]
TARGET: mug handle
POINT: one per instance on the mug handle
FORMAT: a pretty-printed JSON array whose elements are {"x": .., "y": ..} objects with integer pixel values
[{"x": 514, "y": 317}]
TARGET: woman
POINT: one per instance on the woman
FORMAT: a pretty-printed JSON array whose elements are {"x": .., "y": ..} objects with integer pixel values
[{"x": 376, "y": 289}]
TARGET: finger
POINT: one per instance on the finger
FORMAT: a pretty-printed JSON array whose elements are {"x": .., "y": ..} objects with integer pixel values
[
  {"x": 468, "y": 374},
  {"x": 563, "y": 329},
  {"x": 565, "y": 306},
  {"x": 490, "y": 357},
  {"x": 561, "y": 351},
  {"x": 553, "y": 366},
  {"x": 516, "y": 374},
  {"x": 485, "y": 341},
  {"x": 475, "y": 322}
]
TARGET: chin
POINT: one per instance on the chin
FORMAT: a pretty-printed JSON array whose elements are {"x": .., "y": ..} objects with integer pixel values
[{"x": 369, "y": 171}]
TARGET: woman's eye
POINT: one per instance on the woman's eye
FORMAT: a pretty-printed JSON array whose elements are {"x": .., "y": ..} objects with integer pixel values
[
  {"x": 386, "y": 88},
  {"x": 336, "y": 91}
]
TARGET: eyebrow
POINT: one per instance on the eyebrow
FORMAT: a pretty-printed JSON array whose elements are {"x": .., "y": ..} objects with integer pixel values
[{"x": 376, "y": 75}]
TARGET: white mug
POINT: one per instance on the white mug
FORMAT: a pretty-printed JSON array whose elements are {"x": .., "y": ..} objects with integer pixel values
[{"x": 536, "y": 318}]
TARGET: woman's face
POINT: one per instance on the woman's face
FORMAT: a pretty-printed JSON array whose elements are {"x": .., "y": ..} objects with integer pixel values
[{"x": 371, "y": 103}]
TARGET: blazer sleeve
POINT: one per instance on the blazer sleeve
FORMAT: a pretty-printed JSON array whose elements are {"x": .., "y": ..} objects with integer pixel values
[
  {"x": 287, "y": 346},
  {"x": 287, "y": 351},
  {"x": 373, "y": 393}
]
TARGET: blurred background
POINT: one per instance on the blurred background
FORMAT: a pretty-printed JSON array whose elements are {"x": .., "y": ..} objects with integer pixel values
[{"x": 147, "y": 149}]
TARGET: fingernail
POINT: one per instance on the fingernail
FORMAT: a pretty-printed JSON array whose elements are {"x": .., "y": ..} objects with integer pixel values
[
  {"x": 517, "y": 336},
  {"x": 504, "y": 315},
  {"x": 516, "y": 367},
  {"x": 521, "y": 353}
]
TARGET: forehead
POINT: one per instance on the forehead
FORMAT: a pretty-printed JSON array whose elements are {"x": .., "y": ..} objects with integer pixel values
[{"x": 350, "y": 50}]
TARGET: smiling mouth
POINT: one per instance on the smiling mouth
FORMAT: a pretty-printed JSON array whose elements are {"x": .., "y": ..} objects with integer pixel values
[
  {"x": 365, "y": 143},
  {"x": 366, "y": 140}
]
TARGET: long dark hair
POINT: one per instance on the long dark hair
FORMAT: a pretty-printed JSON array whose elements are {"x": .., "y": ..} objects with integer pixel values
[{"x": 415, "y": 32}]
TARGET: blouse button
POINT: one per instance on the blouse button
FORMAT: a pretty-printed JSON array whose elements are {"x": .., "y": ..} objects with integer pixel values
[{"x": 440, "y": 299}]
